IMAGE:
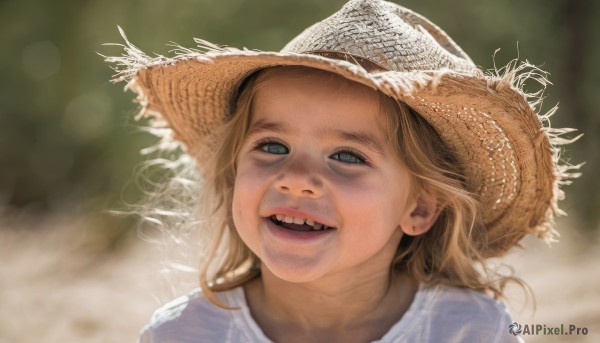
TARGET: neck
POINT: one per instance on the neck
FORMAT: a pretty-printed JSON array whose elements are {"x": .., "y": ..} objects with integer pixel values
[{"x": 359, "y": 308}]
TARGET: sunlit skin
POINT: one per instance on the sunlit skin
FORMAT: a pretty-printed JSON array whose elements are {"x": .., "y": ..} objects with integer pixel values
[{"x": 316, "y": 150}]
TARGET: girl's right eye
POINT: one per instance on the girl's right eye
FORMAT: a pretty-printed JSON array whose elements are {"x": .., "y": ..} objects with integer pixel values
[{"x": 272, "y": 147}]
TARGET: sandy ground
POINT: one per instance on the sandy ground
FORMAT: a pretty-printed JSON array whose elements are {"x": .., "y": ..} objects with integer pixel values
[{"x": 56, "y": 287}]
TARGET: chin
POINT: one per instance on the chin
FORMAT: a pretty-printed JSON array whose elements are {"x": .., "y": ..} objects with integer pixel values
[{"x": 294, "y": 272}]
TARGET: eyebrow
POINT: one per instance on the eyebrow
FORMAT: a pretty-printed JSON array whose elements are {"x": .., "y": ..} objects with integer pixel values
[
  {"x": 262, "y": 125},
  {"x": 362, "y": 138}
]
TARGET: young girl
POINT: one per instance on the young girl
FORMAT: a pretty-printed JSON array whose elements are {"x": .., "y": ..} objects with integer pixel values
[{"x": 360, "y": 179}]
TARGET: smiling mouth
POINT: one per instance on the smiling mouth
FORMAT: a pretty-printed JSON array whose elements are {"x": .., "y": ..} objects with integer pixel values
[{"x": 298, "y": 224}]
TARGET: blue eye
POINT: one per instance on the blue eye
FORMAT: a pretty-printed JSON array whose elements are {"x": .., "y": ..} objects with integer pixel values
[
  {"x": 349, "y": 157},
  {"x": 274, "y": 148}
]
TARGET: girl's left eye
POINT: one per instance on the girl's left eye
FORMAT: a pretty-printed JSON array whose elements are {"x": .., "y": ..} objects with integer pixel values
[
  {"x": 271, "y": 147},
  {"x": 349, "y": 157}
]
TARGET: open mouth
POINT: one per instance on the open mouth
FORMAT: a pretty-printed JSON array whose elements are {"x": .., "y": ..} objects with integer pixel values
[{"x": 298, "y": 224}]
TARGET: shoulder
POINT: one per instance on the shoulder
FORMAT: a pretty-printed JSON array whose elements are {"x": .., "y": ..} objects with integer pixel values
[
  {"x": 460, "y": 302},
  {"x": 443, "y": 313},
  {"x": 192, "y": 318}
]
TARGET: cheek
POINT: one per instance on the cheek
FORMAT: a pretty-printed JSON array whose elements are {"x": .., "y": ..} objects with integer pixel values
[
  {"x": 247, "y": 195},
  {"x": 374, "y": 207},
  {"x": 242, "y": 214},
  {"x": 242, "y": 197},
  {"x": 376, "y": 197}
]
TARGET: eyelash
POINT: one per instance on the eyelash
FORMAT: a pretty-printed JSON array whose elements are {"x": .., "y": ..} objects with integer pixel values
[
  {"x": 265, "y": 141},
  {"x": 363, "y": 160},
  {"x": 359, "y": 155}
]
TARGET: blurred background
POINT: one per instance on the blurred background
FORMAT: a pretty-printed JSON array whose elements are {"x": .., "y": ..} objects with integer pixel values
[{"x": 69, "y": 148}]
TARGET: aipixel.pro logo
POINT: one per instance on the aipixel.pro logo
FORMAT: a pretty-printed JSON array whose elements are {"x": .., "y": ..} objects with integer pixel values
[
  {"x": 543, "y": 329},
  {"x": 514, "y": 328}
]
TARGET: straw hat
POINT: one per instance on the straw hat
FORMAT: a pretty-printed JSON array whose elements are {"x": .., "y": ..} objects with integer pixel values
[{"x": 492, "y": 125}]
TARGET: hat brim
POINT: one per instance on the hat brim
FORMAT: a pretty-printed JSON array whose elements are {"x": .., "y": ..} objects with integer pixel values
[{"x": 496, "y": 134}]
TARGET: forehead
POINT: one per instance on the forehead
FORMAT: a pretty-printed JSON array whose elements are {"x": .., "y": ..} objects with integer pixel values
[
  {"x": 305, "y": 91},
  {"x": 311, "y": 78}
]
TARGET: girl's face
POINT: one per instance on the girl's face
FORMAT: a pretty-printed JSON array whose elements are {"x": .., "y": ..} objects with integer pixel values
[{"x": 318, "y": 191}]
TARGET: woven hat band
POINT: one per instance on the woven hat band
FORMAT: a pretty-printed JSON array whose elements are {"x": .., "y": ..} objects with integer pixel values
[{"x": 367, "y": 64}]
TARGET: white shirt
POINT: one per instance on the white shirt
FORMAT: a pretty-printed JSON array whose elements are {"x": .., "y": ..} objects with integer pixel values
[{"x": 437, "y": 314}]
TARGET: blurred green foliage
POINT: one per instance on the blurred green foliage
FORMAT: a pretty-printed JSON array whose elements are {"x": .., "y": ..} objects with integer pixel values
[{"x": 67, "y": 137}]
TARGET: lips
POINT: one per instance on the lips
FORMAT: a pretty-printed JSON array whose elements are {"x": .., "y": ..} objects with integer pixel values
[
  {"x": 290, "y": 226},
  {"x": 297, "y": 223}
]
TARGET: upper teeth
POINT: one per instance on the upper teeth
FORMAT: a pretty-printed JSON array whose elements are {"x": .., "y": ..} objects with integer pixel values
[{"x": 300, "y": 221}]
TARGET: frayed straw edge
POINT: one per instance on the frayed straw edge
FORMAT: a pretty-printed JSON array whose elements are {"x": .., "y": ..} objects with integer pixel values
[
  {"x": 132, "y": 60},
  {"x": 515, "y": 75},
  {"x": 127, "y": 65}
]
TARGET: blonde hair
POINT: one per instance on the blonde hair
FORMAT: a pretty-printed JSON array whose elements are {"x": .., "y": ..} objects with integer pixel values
[
  {"x": 455, "y": 247},
  {"x": 452, "y": 252}
]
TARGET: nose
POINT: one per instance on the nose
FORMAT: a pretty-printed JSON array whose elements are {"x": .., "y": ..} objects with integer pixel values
[{"x": 300, "y": 177}]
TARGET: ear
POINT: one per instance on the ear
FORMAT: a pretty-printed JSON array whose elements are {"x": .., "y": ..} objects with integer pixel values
[{"x": 420, "y": 215}]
